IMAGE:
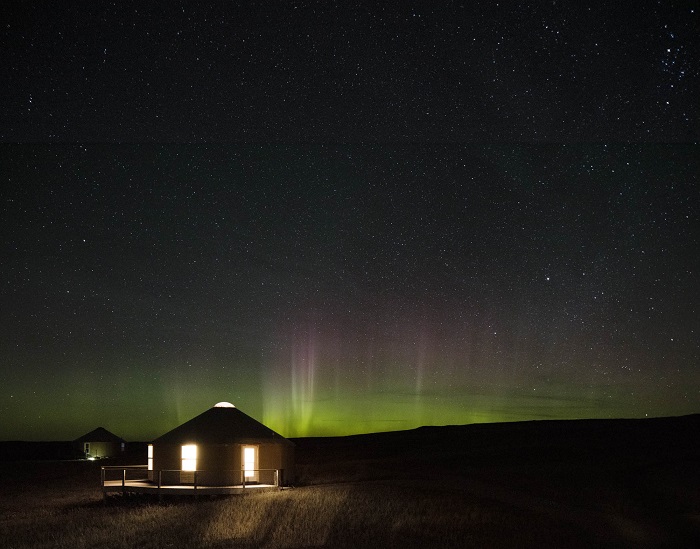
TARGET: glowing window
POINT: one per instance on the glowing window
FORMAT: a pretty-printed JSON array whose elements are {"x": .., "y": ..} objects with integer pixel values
[
  {"x": 150, "y": 457},
  {"x": 189, "y": 457},
  {"x": 249, "y": 461}
]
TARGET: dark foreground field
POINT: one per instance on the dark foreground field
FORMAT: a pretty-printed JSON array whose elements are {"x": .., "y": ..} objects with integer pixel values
[{"x": 616, "y": 483}]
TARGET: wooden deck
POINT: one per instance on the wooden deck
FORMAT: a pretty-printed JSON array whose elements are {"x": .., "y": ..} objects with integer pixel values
[{"x": 134, "y": 480}]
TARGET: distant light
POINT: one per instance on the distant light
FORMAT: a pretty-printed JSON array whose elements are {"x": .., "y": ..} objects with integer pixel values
[
  {"x": 91, "y": 458},
  {"x": 223, "y": 405}
]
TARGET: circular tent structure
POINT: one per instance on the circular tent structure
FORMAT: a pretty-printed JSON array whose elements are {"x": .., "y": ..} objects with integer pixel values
[{"x": 222, "y": 446}]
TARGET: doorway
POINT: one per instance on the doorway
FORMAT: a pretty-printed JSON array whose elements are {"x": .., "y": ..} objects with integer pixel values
[
  {"x": 189, "y": 463},
  {"x": 249, "y": 460}
]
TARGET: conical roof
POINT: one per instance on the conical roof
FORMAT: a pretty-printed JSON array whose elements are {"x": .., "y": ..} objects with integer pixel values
[
  {"x": 99, "y": 435},
  {"x": 222, "y": 424}
]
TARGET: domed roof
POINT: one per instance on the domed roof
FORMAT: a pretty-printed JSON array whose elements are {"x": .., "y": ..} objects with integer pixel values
[{"x": 222, "y": 424}]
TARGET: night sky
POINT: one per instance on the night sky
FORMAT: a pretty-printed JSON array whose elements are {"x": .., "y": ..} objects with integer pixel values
[{"x": 345, "y": 217}]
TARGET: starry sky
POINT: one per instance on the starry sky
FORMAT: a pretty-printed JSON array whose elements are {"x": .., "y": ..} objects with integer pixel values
[
  {"x": 338, "y": 71},
  {"x": 345, "y": 217}
]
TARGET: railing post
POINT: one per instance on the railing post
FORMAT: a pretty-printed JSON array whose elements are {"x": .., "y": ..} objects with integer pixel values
[
  {"x": 277, "y": 478},
  {"x": 160, "y": 479},
  {"x": 102, "y": 479}
]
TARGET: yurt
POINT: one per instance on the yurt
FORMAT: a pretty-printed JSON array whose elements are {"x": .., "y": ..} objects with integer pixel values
[
  {"x": 99, "y": 443},
  {"x": 221, "y": 446}
]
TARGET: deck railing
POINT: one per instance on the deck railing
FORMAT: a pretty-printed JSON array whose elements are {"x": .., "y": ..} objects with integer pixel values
[{"x": 233, "y": 478}]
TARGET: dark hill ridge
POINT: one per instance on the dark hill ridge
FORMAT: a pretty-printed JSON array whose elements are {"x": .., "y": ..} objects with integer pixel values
[
  {"x": 658, "y": 436},
  {"x": 653, "y": 434},
  {"x": 528, "y": 447},
  {"x": 19, "y": 450}
]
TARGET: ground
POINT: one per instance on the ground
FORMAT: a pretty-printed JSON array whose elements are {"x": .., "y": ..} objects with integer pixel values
[{"x": 563, "y": 484}]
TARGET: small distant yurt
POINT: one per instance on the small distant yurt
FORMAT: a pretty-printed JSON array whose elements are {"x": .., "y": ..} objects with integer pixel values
[
  {"x": 99, "y": 443},
  {"x": 221, "y": 446}
]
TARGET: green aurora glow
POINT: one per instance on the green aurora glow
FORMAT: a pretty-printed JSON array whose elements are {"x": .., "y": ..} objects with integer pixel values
[{"x": 340, "y": 303}]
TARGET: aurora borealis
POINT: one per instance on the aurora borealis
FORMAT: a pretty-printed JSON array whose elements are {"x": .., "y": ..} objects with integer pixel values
[
  {"x": 337, "y": 290},
  {"x": 347, "y": 217}
]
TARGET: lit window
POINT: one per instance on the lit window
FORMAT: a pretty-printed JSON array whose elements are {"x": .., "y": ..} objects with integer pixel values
[
  {"x": 150, "y": 457},
  {"x": 189, "y": 457},
  {"x": 249, "y": 461}
]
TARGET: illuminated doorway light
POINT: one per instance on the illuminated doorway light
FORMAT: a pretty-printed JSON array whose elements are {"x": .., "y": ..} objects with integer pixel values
[
  {"x": 189, "y": 457},
  {"x": 250, "y": 463}
]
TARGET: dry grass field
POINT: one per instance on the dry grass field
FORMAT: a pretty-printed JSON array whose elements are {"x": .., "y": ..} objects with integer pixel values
[{"x": 543, "y": 484}]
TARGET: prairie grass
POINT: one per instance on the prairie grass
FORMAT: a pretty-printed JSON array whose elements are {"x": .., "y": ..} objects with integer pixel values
[
  {"x": 403, "y": 490},
  {"x": 356, "y": 514}
]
